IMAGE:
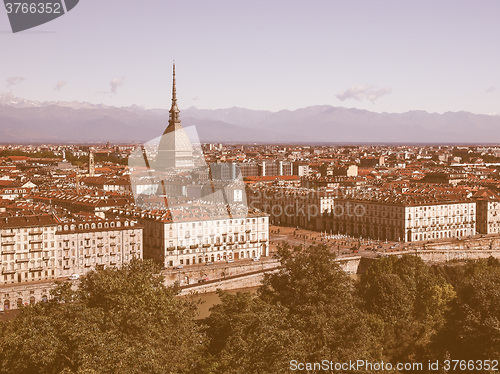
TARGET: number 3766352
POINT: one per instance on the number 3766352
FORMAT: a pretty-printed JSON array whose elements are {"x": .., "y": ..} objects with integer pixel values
[{"x": 32, "y": 8}]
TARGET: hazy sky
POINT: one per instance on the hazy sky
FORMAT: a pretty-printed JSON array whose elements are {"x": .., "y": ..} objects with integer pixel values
[{"x": 391, "y": 56}]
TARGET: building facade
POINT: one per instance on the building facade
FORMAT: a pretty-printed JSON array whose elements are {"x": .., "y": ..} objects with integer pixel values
[
  {"x": 397, "y": 220},
  {"x": 36, "y": 250},
  {"x": 201, "y": 236},
  {"x": 295, "y": 207}
]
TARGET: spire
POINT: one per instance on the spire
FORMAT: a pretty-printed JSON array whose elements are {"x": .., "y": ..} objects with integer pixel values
[{"x": 174, "y": 110}]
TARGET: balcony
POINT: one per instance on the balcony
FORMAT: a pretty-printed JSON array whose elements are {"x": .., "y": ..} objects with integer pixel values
[
  {"x": 86, "y": 255},
  {"x": 206, "y": 245},
  {"x": 40, "y": 249},
  {"x": 8, "y": 251},
  {"x": 36, "y": 241},
  {"x": 35, "y": 233},
  {"x": 5, "y": 271},
  {"x": 181, "y": 247},
  {"x": 66, "y": 267},
  {"x": 218, "y": 244},
  {"x": 112, "y": 262},
  {"x": 20, "y": 260},
  {"x": 170, "y": 249},
  {"x": 263, "y": 240},
  {"x": 86, "y": 265},
  {"x": 8, "y": 234},
  {"x": 254, "y": 241},
  {"x": 33, "y": 270},
  {"x": 194, "y": 246},
  {"x": 4, "y": 244}
]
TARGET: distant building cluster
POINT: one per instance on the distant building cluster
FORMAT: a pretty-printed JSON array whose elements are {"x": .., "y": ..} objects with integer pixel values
[{"x": 68, "y": 209}]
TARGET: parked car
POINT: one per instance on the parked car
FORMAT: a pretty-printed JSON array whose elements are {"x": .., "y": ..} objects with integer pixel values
[
  {"x": 208, "y": 263},
  {"x": 202, "y": 280},
  {"x": 230, "y": 260},
  {"x": 255, "y": 259},
  {"x": 179, "y": 267},
  {"x": 74, "y": 276}
]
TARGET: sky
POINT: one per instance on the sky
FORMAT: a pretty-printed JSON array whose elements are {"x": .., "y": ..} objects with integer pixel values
[{"x": 382, "y": 56}]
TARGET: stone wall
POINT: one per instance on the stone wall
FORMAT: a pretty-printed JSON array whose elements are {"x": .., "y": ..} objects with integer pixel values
[
  {"x": 443, "y": 255},
  {"x": 25, "y": 294},
  {"x": 244, "y": 281},
  {"x": 188, "y": 276}
]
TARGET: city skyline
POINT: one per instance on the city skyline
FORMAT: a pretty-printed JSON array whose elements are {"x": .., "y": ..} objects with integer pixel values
[{"x": 396, "y": 58}]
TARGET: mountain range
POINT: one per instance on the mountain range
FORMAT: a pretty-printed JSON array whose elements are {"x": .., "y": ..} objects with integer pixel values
[{"x": 24, "y": 121}]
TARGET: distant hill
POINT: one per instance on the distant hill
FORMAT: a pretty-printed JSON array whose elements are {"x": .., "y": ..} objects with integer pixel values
[{"x": 23, "y": 121}]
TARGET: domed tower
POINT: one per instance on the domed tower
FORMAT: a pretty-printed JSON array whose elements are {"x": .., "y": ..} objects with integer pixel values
[{"x": 175, "y": 150}]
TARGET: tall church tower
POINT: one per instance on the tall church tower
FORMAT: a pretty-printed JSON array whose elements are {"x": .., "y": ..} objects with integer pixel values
[
  {"x": 175, "y": 149},
  {"x": 91, "y": 163}
]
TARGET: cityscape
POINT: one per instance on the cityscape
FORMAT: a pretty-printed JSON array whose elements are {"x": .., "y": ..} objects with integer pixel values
[
  {"x": 249, "y": 188},
  {"x": 218, "y": 216}
]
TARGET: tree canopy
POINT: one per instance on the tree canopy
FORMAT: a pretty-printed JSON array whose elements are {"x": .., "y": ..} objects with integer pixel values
[
  {"x": 119, "y": 320},
  {"x": 127, "y": 321}
]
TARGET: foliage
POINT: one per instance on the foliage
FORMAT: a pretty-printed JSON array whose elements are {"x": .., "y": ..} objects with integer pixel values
[
  {"x": 307, "y": 311},
  {"x": 12, "y": 152},
  {"x": 410, "y": 299},
  {"x": 472, "y": 329},
  {"x": 126, "y": 320},
  {"x": 119, "y": 320}
]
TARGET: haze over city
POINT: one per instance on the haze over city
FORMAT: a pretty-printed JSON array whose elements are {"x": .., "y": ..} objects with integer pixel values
[{"x": 384, "y": 57}]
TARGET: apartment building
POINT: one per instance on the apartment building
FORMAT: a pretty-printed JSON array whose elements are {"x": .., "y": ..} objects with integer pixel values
[
  {"x": 200, "y": 235},
  {"x": 488, "y": 212},
  {"x": 42, "y": 247},
  {"x": 296, "y": 207},
  {"x": 403, "y": 217}
]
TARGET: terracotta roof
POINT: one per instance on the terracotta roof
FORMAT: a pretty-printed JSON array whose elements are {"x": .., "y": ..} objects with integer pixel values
[{"x": 28, "y": 221}]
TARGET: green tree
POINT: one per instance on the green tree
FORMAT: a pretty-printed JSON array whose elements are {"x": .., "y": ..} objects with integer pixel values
[
  {"x": 307, "y": 311},
  {"x": 249, "y": 335},
  {"x": 119, "y": 320},
  {"x": 410, "y": 299},
  {"x": 472, "y": 330}
]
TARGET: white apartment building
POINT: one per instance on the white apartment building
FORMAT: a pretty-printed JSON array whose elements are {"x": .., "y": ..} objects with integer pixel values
[
  {"x": 84, "y": 246},
  {"x": 28, "y": 248},
  {"x": 403, "y": 218},
  {"x": 488, "y": 212},
  {"x": 41, "y": 248},
  {"x": 200, "y": 236}
]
